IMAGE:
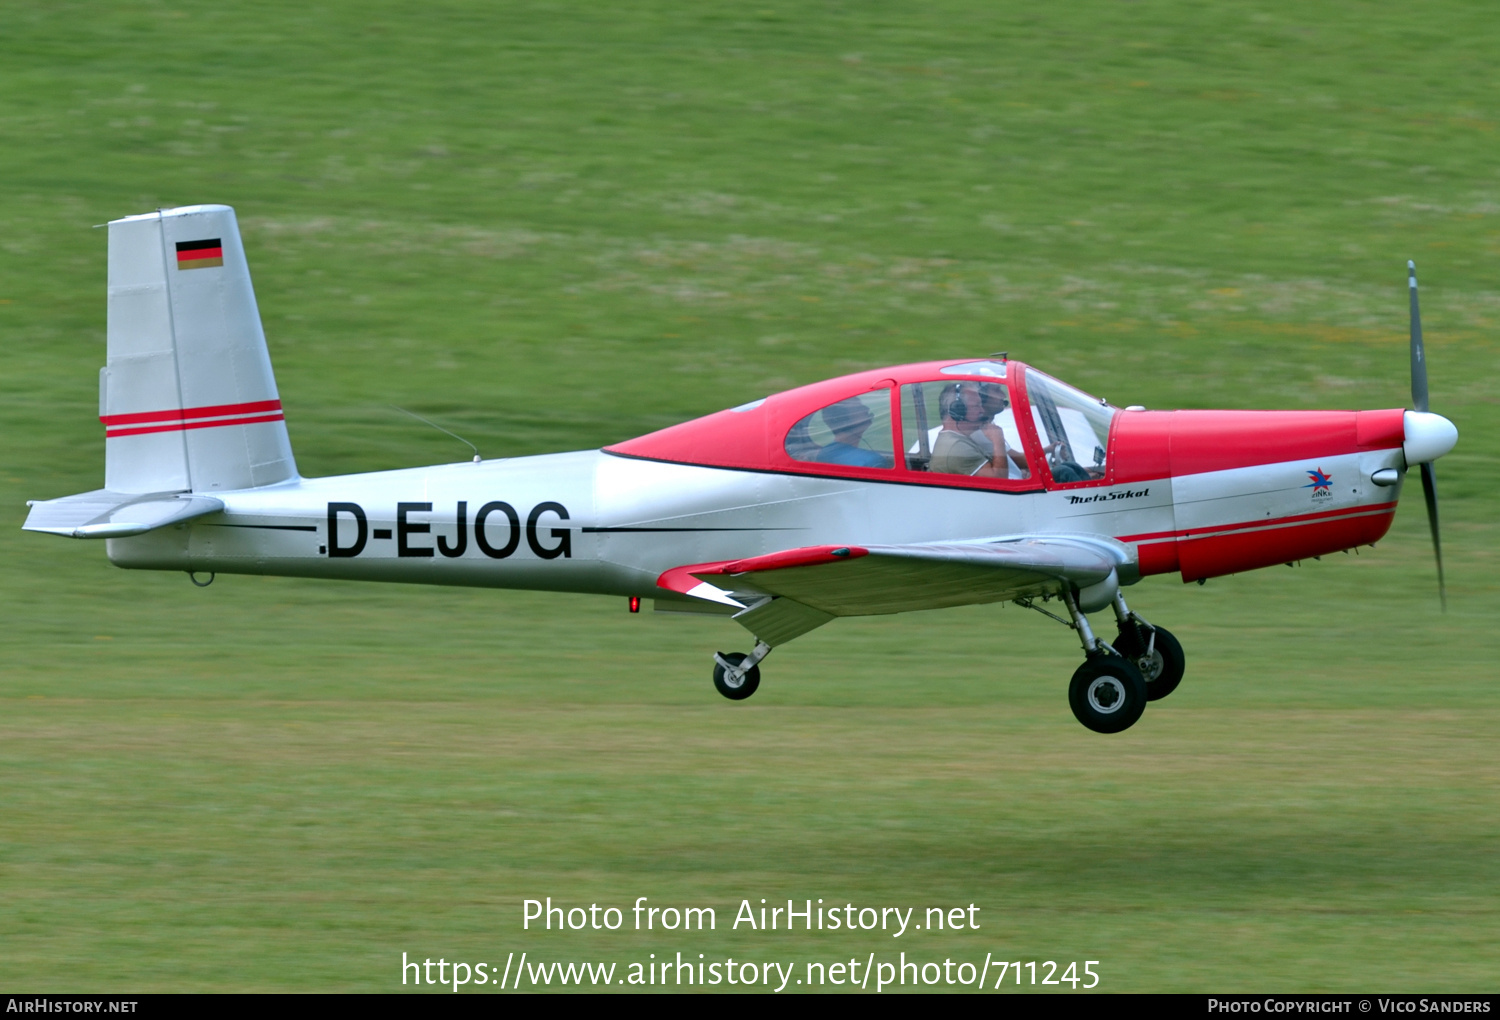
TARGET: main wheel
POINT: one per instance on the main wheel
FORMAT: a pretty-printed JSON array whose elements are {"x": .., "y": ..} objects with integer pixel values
[
  {"x": 1108, "y": 694},
  {"x": 747, "y": 683},
  {"x": 1163, "y": 668}
]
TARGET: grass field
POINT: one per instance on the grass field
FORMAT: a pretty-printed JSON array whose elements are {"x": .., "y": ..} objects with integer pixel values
[{"x": 553, "y": 226}]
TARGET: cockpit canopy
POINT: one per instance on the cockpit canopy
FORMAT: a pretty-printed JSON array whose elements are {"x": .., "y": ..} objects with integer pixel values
[{"x": 989, "y": 424}]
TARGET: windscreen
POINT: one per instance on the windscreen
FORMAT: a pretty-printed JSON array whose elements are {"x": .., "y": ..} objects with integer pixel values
[{"x": 1072, "y": 426}]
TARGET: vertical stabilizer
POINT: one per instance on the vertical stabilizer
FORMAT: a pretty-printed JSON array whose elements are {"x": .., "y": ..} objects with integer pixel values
[{"x": 187, "y": 398}]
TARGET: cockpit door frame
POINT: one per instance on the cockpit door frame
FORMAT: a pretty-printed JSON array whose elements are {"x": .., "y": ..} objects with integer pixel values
[{"x": 1022, "y": 410}]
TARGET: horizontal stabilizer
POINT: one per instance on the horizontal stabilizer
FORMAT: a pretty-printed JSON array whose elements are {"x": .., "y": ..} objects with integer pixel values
[{"x": 106, "y": 514}]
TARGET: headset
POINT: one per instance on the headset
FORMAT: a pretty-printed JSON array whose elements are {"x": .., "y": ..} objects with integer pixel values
[{"x": 957, "y": 407}]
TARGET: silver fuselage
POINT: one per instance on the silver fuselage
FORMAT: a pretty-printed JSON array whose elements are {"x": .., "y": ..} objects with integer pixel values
[{"x": 600, "y": 523}]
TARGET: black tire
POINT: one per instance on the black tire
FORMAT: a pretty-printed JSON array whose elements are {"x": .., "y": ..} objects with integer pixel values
[
  {"x": 1108, "y": 694},
  {"x": 1163, "y": 671},
  {"x": 747, "y": 685}
]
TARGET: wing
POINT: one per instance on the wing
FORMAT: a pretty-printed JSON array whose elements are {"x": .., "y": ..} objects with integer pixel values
[
  {"x": 800, "y": 589},
  {"x": 105, "y": 514}
]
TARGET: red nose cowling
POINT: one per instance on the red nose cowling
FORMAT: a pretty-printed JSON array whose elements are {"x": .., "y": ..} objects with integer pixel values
[{"x": 1150, "y": 445}]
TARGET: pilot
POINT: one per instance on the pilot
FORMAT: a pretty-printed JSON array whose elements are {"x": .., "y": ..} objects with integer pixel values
[
  {"x": 970, "y": 442},
  {"x": 993, "y": 400},
  {"x": 848, "y": 420}
]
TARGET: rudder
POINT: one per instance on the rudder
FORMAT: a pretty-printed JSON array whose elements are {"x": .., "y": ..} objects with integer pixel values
[{"x": 187, "y": 397}]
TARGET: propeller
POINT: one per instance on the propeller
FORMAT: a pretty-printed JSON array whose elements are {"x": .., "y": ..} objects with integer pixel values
[{"x": 1419, "y": 403}]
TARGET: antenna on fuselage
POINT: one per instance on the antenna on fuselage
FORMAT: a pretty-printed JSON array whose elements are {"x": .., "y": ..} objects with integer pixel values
[{"x": 445, "y": 432}]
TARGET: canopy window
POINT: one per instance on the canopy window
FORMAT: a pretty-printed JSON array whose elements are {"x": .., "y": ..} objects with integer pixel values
[
  {"x": 961, "y": 427},
  {"x": 854, "y": 432}
]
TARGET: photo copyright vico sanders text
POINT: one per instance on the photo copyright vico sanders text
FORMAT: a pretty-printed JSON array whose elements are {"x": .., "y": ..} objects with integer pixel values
[{"x": 1367, "y": 1004}]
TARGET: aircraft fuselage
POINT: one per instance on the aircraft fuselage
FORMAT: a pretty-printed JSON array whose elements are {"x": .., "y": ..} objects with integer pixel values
[{"x": 595, "y": 522}]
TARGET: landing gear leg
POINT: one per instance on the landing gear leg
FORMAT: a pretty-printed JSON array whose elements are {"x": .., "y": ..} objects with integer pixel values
[
  {"x": 737, "y": 675},
  {"x": 1154, "y": 651},
  {"x": 1091, "y": 645},
  {"x": 1107, "y": 693}
]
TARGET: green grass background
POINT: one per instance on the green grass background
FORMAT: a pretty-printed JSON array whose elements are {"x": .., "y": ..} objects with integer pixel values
[{"x": 557, "y": 225}]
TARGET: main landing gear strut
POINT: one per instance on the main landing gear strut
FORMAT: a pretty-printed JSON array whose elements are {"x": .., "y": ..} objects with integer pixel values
[{"x": 1109, "y": 691}]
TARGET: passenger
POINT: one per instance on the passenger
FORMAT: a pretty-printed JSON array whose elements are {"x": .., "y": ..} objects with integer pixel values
[
  {"x": 848, "y": 420},
  {"x": 970, "y": 442}
]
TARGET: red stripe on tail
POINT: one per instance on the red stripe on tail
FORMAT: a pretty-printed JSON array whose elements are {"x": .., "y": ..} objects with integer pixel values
[{"x": 190, "y": 413}]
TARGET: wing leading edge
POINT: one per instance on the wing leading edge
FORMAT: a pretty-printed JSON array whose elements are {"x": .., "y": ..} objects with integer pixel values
[{"x": 789, "y": 593}]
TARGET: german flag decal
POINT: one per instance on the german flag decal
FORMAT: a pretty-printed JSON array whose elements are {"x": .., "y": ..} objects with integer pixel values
[{"x": 200, "y": 254}]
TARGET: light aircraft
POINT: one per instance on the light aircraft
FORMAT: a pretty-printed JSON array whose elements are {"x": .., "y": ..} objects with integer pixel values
[{"x": 918, "y": 486}]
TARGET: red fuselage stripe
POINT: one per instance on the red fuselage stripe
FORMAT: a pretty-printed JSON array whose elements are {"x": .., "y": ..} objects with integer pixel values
[
  {"x": 189, "y": 413},
  {"x": 1271, "y": 522},
  {"x": 182, "y": 426}
]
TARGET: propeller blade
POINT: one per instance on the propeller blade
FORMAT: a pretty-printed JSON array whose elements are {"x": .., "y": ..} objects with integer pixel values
[
  {"x": 1419, "y": 402},
  {"x": 1418, "y": 355},
  {"x": 1429, "y": 491}
]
